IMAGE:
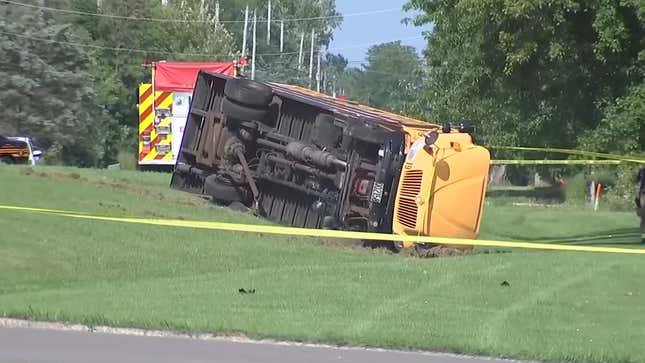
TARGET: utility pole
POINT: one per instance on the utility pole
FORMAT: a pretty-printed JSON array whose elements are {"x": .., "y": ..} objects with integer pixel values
[
  {"x": 281, "y": 36},
  {"x": 318, "y": 74},
  {"x": 333, "y": 88},
  {"x": 269, "y": 24},
  {"x": 217, "y": 12},
  {"x": 311, "y": 58},
  {"x": 246, "y": 29},
  {"x": 300, "y": 55},
  {"x": 255, "y": 23}
]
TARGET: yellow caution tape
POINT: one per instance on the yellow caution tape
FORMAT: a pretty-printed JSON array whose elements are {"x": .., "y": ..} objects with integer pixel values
[
  {"x": 306, "y": 232},
  {"x": 630, "y": 159},
  {"x": 556, "y": 162}
]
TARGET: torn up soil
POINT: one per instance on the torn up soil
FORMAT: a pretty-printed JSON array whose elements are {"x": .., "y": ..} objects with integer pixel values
[
  {"x": 121, "y": 185},
  {"x": 387, "y": 248}
]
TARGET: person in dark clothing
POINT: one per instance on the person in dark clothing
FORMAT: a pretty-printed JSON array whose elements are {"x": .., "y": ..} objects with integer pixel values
[{"x": 640, "y": 201}]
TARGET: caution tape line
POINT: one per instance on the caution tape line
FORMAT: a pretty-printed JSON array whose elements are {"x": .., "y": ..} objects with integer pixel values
[
  {"x": 630, "y": 159},
  {"x": 556, "y": 162},
  {"x": 317, "y": 233}
]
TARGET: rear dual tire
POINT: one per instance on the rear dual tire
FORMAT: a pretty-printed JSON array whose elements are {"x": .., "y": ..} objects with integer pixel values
[
  {"x": 248, "y": 93},
  {"x": 241, "y": 112},
  {"x": 247, "y": 100}
]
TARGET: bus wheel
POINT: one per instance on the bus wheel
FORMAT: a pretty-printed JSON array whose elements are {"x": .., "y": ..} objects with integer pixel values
[
  {"x": 6, "y": 160},
  {"x": 248, "y": 92}
]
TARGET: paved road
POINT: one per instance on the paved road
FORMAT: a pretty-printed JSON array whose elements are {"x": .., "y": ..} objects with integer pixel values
[{"x": 42, "y": 345}]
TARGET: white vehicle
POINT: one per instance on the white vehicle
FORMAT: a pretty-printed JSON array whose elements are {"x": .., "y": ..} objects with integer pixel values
[{"x": 34, "y": 154}]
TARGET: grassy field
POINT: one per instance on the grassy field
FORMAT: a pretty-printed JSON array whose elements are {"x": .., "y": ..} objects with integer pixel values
[{"x": 559, "y": 306}]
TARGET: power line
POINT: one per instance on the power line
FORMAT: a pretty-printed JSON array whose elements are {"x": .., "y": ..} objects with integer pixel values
[
  {"x": 84, "y": 13},
  {"x": 158, "y": 51},
  {"x": 51, "y": 41},
  {"x": 354, "y": 46},
  {"x": 85, "y": 45}
]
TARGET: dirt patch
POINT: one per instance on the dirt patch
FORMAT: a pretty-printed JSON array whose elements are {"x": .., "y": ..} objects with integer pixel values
[
  {"x": 341, "y": 243},
  {"x": 112, "y": 206},
  {"x": 27, "y": 171},
  {"x": 119, "y": 185},
  {"x": 54, "y": 175},
  {"x": 418, "y": 251},
  {"x": 425, "y": 251},
  {"x": 389, "y": 248},
  {"x": 149, "y": 213}
]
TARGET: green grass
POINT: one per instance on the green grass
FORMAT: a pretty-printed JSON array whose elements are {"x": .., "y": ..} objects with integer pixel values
[{"x": 560, "y": 306}]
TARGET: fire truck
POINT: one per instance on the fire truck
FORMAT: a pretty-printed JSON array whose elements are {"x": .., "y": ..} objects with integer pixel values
[{"x": 163, "y": 108}]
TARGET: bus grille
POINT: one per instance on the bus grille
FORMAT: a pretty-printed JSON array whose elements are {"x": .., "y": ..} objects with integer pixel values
[{"x": 407, "y": 211}]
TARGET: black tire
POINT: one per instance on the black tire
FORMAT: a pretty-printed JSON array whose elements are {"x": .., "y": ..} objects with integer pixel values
[
  {"x": 223, "y": 193},
  {"x": 366, "y": 132},
  {"x": 6, "y": 160},
  {"x": 249, "y": 93},
  {"x": 240, "y": 112},
  {"x": 239, "y": 207},
  {"x": 326, "y": 134}
]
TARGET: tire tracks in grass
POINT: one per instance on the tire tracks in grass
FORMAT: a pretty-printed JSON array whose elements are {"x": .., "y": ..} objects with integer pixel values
[
  {"x": 389, "y": 307},
  {"x": 493, "y": 325},
  {"x": 145, "y": 283}
]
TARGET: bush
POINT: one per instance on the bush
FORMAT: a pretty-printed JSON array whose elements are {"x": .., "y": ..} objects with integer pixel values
[
  {"x": 618, "y": 188},
  {"x": 620, "y": 195},
  {"x": 127, "y": 160},
  {"x": 576, "y": 189}
]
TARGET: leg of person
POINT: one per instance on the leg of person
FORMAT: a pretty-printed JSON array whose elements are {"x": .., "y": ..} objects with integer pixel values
[
  {"x": 643, "y": 225},
  {"x": 641, "y": 213},
  {"x": 642, "y": 229}
]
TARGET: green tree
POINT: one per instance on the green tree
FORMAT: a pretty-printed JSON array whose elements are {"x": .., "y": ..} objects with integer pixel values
[
  {"x": 622, "y": 130},
  {"x": 194, "y": 33},
  {"x": 334, "y": 66},
  {"x": 119, "y": 48},
  {"x": 124, "y": 44},
  {"x": 301, "y": 16},
  {"x": 113, "y": 45},
  {"x": 531, "y": 72},
  {"x": 46, "y": 89},
  {"x": 388, "y": 79}
]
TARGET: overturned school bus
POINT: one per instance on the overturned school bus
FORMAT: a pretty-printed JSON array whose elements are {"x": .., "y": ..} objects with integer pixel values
[{"x": 305, "y": 159}]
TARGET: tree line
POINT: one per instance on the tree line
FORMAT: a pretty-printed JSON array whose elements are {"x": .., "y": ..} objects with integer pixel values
[
  {"x": 70, "y": 69},
  {"x": 562, "y": 73}
]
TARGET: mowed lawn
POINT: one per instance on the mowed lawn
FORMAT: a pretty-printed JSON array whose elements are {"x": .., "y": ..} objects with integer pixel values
[{"x": 559, "y": 306}]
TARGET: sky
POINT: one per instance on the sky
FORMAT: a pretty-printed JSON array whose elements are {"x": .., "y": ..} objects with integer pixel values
[{"x": 357, "y": 33}]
